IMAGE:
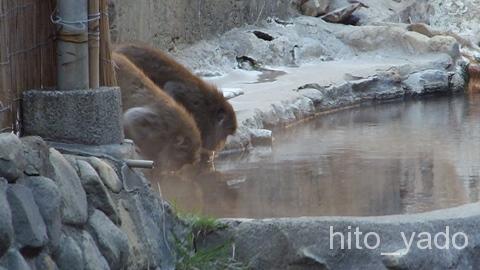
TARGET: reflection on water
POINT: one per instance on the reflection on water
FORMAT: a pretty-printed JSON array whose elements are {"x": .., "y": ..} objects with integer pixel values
[{"x": 383, "y": 159}]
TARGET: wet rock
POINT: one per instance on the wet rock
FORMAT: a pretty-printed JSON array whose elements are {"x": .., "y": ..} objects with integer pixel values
[
  {"x": 112, "y": 242},
  {"x": 107, "y": 174},
  {"x": 69, "y": 255},
  {"x": 47, "y": 196},
  {"x": 396, "y": 260},
  {"x": 261, "y": 137},
  {"x": 28, "y": 224},
  {"x": 97, "y": 194},
  {"x": 13, "y": 260},
  {"x": 45, "y": 262},
  {"x": 92, "y": 258},
  {"x": 12, "y": 160},
  {"x": 6, "y": 227},
  {"x": 74, "y": 199},
  {"x": 427, "y": 81},
  {"x": 36, "y": 153}
]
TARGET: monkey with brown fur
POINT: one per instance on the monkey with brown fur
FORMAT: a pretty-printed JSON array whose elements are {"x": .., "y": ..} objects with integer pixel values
[
  {"x": 162, "y": 129},
  {"x": 214, "y": 116}
]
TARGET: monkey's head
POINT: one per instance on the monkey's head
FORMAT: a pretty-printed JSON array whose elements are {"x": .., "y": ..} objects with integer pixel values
[
  {"x": 169, "y": 137},
  {"x": 214, "y": 115}
]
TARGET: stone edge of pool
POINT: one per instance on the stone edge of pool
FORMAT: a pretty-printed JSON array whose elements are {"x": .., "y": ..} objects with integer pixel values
[
  {"x": 305, "y": 242},
  {"x": 441, "y": 76}
]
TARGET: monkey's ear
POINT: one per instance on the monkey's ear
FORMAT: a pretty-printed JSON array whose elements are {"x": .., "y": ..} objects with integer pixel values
[{"x": 139, "y": 118}]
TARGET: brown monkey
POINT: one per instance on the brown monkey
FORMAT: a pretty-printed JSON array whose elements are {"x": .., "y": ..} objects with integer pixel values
[
  {"x": 163, "y": 130},
  {"x": 214, "y": 116}
]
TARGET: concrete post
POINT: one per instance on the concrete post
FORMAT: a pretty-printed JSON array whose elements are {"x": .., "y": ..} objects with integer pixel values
[{"x": 72, "y": 46}]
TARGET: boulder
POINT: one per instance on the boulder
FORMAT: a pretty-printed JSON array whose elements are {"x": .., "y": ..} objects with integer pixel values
[
  {"x": 6, "y": 227},
  {"x": 69, "y": 255},
  {"x": 12, "y": 160},
  {"x": 74, "y": 199},
  {"x": 314, "y": 8},
  {"x": 112, "y": 242},
  {"x": 107, "y": 174},
  {"x": 47, "y": 196},
  {"x": 45, "y": 262},
  {"x": 427, "y": 81},
  {"x": 36, "y": 153},
  {"x": 28, "y": 224},
  {"x": 97, "y": 194},
  {"x": 92, "y": 258},
  {"x": 13, "y": 260},
  {"x": 445, "y": 44}
]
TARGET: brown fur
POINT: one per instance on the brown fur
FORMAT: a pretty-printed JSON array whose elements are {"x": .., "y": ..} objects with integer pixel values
[
  {"x": 163, "y": 130},
  {"x": 214, "y": 116},
  {"x": 428, "y": 31}
]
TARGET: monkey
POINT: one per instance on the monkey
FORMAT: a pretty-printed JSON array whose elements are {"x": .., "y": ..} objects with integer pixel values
[
  {"x": 162, "y": 129},
  {"x": 213, "y": 114}
]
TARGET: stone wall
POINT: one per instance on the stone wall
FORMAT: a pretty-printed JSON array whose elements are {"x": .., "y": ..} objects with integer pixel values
[
  {"x": 78, "y": 211},
  {"x": 165, "y": 23}
]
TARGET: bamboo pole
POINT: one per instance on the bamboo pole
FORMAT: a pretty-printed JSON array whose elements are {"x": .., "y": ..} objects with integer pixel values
[
  {"x": 72, "y": 44},
  {"x": 94, "y": 43},
  {"x": 107, "y": 71}
]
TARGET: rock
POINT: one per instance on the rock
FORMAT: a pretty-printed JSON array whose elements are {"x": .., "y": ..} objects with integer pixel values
[
  {"x": 445, "y": 44},
  {"x": 12, "y": 161},
  {"x": 97, "y": 194},
  {"x": 261, "y": 137},
  {"x": 343, "y": 15},
  {"x": 92, "y": 258},
  {"x": 416, "y": 43},
  {"x": 396, "y": 260},
  {"x": 74, "y": 199},
  {"x": 6, "y": 227},
  {"x": 36, "y": 153},
  {"x": 13, "y": 260},
  {"x": 45, "y": 262},
  {"x": 107, "y": 174},
  {"x": 69, "y": 254},
  {"x": 112, "y": 242},
  {"x": 28, "y": 224},
  {"x": 47, "y": 196},
  {"x": 427, "y": 81},
  {"x": 314, "y": 8}
]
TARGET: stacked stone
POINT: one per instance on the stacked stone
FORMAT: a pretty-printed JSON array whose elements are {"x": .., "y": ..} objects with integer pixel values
[{"x": 72, "y": 212}]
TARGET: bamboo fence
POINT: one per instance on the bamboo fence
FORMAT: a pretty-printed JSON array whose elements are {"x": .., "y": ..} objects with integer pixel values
[{"x": 28, "y": 53}]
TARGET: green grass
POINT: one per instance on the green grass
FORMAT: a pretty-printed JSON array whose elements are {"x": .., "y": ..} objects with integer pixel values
[{"x": 190, "y": 258}]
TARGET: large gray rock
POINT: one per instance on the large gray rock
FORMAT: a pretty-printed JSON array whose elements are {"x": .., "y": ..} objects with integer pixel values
[
  {"x": 36, "y": 153},
  {"x": 107, "y": 174},
  {"x": 315, "y": 242},
  {"x": 47, "y": 196},
  {"x": 6, "y": 227},
  {"x": 427, "y": 81},
  {"x": 13, "y": 260},
  {"x": 92, "y": 258},
  {"x": 69, "y": 255},
  {"x": 112, "y": 242},
  {"x": 12, "y": 160},
  {"x": 97, "y": 194},
  {"x": 45, "y": 262},
  {"x": 74, "y": 199},
  {"x": 30, "y": 229}
]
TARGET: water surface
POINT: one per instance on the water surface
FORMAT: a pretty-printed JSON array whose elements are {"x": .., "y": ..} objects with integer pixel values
[{"x": 402, "y": 157}]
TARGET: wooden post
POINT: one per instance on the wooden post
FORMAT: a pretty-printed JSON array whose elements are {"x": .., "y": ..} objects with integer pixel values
[
  {"x": 72, "y": 44},
  {"x": 94, "y": 42}
]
